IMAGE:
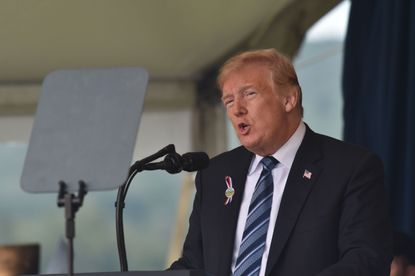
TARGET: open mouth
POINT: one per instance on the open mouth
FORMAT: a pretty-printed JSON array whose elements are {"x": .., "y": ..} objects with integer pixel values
[{"x": 243, "y": 128}]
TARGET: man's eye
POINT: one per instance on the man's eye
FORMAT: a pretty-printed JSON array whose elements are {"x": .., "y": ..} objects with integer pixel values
[
  {"x": 250, "y": 93},
  {"x": 228, "y": 103}
]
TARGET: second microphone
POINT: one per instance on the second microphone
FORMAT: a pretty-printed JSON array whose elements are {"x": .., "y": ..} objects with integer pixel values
[{"x": 175, "y": 163}]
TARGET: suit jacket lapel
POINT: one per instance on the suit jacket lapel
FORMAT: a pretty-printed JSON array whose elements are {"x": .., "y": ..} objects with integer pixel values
[
  {"x": 298, "y": 186},
  {"x": 237, "y": 170}
]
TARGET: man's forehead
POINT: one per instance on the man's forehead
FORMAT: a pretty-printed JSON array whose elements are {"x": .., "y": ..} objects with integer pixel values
[
  {"x": 239, "y": 89},
  {"x": 240, "y": 85}
]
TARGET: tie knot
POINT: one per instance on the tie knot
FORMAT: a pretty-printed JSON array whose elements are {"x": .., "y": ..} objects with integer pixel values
[{"x": 269, "y": 162}]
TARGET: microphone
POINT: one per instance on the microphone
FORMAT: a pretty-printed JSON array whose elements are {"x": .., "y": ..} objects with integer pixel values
[
  {"x": 175, "y": 163},
  {"x": 194, "y": 161}
]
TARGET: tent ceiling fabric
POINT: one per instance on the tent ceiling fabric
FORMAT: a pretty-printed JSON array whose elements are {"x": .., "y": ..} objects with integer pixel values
[{"x": 174, "y": 39}]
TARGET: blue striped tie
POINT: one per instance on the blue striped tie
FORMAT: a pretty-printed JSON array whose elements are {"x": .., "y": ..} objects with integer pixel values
[{"x": 256, "y": 227}]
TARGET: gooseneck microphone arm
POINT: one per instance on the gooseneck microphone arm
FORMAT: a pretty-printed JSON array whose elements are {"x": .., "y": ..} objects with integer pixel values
[
  {"x": 173, "y": 163},
  {"x": 119, "y": 204}
]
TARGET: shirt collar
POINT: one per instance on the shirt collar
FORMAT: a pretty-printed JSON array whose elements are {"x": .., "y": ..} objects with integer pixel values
[{"x": 285, "y": 154}]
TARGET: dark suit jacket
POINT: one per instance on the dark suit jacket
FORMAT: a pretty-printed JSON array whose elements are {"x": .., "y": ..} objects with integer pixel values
[{"x": 335, "y": 223}]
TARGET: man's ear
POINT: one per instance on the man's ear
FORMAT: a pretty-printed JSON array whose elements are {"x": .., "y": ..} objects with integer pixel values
[{"x": 291, "y": 100}]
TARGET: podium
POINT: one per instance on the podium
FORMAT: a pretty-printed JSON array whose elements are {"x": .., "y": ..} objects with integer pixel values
[{"x": 140, "y": 273}]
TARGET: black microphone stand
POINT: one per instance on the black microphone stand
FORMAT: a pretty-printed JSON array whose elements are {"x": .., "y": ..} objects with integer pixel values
[
  {"x": 71, "y": 203},
  {"x": 120, "y": 202}
]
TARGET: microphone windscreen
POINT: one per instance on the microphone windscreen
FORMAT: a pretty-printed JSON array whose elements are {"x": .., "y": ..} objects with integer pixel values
[
  {"x": 194, "y": 161},
  {"x": 173, "y": 163}
]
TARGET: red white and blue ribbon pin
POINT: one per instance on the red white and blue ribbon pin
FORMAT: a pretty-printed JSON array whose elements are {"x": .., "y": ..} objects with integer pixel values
[{"x": 229, "y": 191}]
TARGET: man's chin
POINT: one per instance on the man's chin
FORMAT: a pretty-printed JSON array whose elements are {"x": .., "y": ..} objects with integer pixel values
[{"x": 252, "y": 147}]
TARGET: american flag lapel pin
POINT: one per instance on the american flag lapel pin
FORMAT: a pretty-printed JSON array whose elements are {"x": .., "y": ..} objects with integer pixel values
[
  {"x": 229, "y": 190},
  {"x": 307, "y": 174}
]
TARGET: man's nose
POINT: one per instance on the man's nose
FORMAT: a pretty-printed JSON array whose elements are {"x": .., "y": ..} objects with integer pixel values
[{"x": 239, "y": 107}]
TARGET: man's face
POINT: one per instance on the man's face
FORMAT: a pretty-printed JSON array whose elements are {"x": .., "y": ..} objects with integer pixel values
[{"x": 259, "y": 112}]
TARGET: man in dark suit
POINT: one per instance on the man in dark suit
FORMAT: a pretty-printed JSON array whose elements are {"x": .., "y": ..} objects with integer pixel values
[{"x": 316, "y": 207}]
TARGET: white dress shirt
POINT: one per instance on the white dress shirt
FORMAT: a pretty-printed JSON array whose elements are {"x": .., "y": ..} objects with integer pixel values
[{"x": 285, "y": 155}]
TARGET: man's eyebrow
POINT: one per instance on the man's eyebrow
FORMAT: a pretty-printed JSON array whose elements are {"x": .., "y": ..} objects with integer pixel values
[
  {"x": 245, "y": 87},
  {"x": 242, "y": 89}
]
